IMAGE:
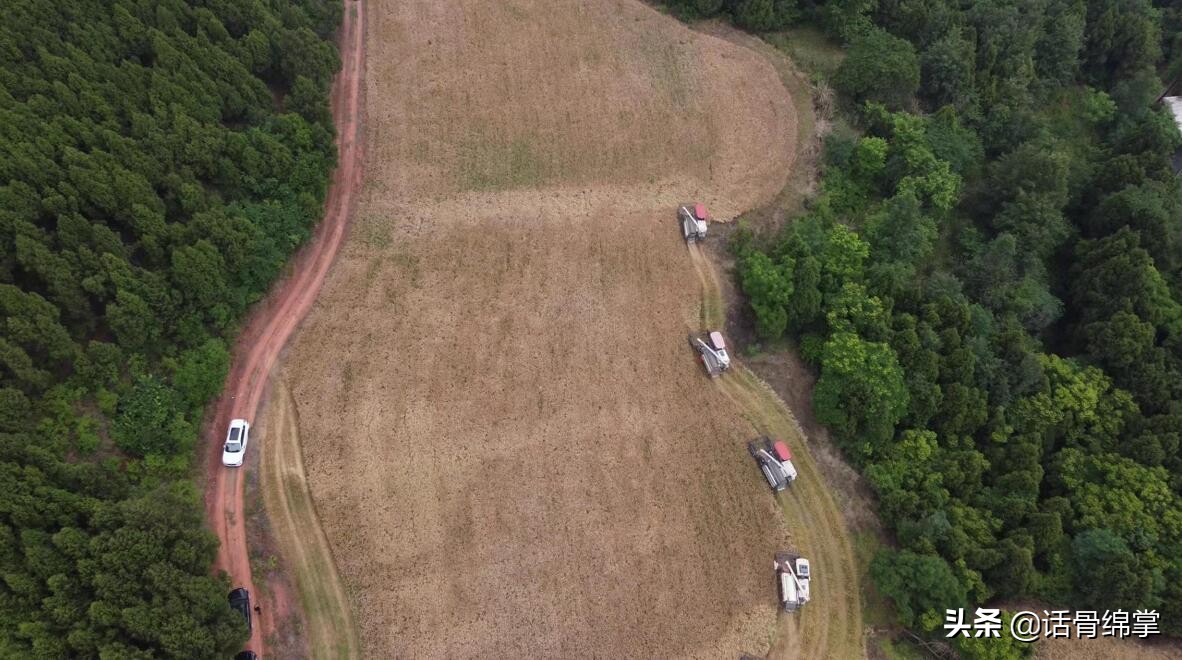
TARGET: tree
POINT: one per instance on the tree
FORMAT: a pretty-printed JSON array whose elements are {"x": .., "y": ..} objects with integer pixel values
[
  {"x": 1035, "y": 220},
  {"x": 1057, "y": 50},
  {"x": 1122, "y": 343},
  {"x": 946, "y": 72},
  {"x": 951, "y": 140},
  {"x": 769, "y": 289},
  {"x": 151, "y": 421},
  {"x": 1119, "y": 495},
  {"x": 906, "y": 480},
  {"x": 920, "y": 586},
  {"x": 1077, "y": 406},
  {"x": 847, "y": 18},
  {"x": 1013, "y": 285},
  {"x": 868, "y": 159},
  {"x": 900, "y": 231},
  {"x": 15, "y": 409},
  {"x": 1114, "y": 273},
  {"x": 856, "y": 311},
  {"x": 911, "y": 162},
  {"x": 1153, "y": 211},
  {"x": 860, "y": 393},
  {"x": 1004, "y": 647},
  {"x": 1121, "y": 38},
  {"x": 756, "y": 15},
  {"x": 198, "y": 271},
  {"x": 309, "y": 101},
  {"x": 805, "y": 305},
  {"x": 132, "y": 321},
  {"x": 150, "y": 581},
  {"x": 200, "y": 372},
  {"x": 919, "y": 21},
  {"x": 1032, "y": 169},
  {"x": 1126, "y": 583},
  {"x": 879, "y": 67},
  {"x": 30, "y": 331},
  {"x": 843, "y": 259}
]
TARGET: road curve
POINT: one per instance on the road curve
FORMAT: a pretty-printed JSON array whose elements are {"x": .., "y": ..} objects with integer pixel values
[{"x": 275, "y": 320}]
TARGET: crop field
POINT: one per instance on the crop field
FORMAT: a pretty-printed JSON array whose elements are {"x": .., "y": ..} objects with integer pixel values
[{"x": 509, "y": 446}]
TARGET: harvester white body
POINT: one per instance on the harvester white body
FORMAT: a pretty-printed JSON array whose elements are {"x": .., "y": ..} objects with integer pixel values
[
  {"x": 792, "y": 577},
  {"x": 693, "y": 222},
  {"x": 713, "y": 353}
]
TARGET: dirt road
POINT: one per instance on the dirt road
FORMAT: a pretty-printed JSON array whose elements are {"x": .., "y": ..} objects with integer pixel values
[{"x": 274, "y": 321}]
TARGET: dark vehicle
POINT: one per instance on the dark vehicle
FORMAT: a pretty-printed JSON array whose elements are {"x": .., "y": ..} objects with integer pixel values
[
  {"x": 246, "y": 655},
  {"x": 240, "y": 600}
]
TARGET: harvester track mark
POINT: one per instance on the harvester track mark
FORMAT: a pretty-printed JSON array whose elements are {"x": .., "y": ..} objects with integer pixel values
[
  {"x": 832, "y": 625},
  {"x": 330, "y": 628}
]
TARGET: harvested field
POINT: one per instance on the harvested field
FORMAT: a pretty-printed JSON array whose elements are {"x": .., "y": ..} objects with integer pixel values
[
  {"x": 1105, "y": 648},
  {"x": 511, "y": 449},
  {"x": 488, "y": 96},
  {"x": 531, "y": 465},
  {"x": 329, "y": 631}
]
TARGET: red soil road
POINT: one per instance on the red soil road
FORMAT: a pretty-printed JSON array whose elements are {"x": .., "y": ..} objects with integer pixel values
[{"x": 272, "y": 324}]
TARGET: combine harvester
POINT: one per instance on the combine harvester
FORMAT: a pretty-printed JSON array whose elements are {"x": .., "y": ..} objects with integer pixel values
[
  {"x": 792, "y": 577},
  {"x": 693, "y": 219},
  {"x": 712, "y": 352},
  {"x": 775, "y": 461}
]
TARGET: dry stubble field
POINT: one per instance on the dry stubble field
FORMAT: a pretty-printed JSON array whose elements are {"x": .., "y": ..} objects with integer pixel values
[{"x": 511, "y": 449}]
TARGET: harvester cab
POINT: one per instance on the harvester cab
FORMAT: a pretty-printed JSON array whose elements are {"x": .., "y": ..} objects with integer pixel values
[
  {"x": 802, "y": 578},
  {"x": 693, "y": 219},
  {"x": 712, "y": 350}
]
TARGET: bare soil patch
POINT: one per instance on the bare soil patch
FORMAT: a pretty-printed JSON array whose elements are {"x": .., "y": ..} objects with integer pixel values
[{"x": 510, "y": 447}]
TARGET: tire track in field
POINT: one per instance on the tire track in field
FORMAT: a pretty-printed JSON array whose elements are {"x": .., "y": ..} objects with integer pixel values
[
  {"x": 331, "y": 631},
  {"x": 831, "y": 624}
]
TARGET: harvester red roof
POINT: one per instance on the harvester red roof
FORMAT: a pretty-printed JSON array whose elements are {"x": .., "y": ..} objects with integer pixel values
[
  {"x": 700, "y": 211},
  {"x": 781, "y": 450}
]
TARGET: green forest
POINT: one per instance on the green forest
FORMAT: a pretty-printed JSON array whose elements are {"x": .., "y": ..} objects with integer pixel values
[
  {"x": 988, "y": 285},
  {"x": 159, "y": 162}
]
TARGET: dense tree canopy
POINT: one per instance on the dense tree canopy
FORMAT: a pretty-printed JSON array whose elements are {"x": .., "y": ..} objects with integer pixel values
[
  {"x": 159, "y": 160},
  {"x": 879, "y": 67},
  {"x": 989, "y": 285}
]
